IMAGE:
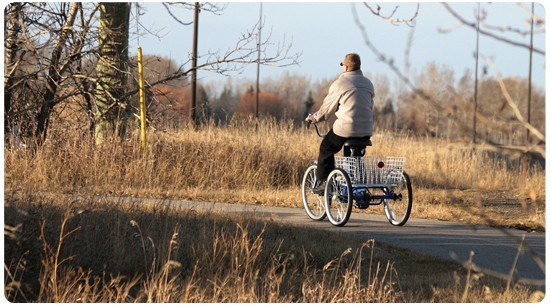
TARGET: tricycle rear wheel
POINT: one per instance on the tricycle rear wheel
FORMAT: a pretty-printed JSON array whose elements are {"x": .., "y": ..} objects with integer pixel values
[
  {"x": 338, "y": 197},
  {"x": 399, "y": 208}
]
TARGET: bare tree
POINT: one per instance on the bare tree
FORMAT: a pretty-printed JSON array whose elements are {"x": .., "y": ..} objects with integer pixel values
[
  {"x": 232, "y": 60},
  {"x": 54, "y": 72},
  {"x": 421, "y": 90},
  {"x": 53, "y": 49},
  {"x": 46, "y": 47},
  {"x": 12, "y": 28}
]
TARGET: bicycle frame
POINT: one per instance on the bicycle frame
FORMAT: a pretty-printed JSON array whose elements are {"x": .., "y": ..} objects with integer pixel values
[{"x": 364, "y": 198}]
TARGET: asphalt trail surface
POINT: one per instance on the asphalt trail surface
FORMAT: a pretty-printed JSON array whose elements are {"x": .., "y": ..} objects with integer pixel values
[{"x": 495, "y": 250}]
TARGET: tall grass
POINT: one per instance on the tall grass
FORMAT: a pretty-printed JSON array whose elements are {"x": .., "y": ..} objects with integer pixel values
[
  {"x": 212, "y": 158},
  {"x": 262, "y": 162},
  {"x": 113, "y": 252},
  {"x": 60, "y": 250},
  {"x": 92, "y": 251}
]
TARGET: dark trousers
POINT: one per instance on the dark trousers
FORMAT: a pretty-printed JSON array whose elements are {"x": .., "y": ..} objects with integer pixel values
[{"x": 330, "y": 145}]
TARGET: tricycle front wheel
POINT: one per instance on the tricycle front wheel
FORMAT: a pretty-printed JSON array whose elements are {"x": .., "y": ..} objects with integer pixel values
[{"x": 313, "y": 203}]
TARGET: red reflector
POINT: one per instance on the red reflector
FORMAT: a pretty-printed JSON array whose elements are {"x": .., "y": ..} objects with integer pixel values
[{"x": 380, "y": 164}]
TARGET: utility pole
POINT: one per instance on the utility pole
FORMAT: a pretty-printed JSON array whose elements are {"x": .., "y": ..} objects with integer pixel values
[
  {"x": 530, "y": 69},
  {"x": 526, "y": 158},
  {"x": 258, "y": 64},
  {"x": 477, "y": 62},
  {"x": 194, "y": 64}
]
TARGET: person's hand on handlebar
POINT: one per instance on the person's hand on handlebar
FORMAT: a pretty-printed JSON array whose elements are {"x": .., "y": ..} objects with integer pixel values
[{"x": 310, "y": 118}]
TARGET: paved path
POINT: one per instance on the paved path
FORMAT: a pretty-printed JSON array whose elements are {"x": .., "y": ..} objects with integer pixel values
[{"x": 494, "y": 249}]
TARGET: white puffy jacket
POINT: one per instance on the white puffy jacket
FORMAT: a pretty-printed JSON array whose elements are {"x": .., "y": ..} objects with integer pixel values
[{"x": 350, "y": 98}]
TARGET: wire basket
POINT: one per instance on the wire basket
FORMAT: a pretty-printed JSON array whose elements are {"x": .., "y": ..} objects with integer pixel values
[{"x": 372, "y": 171}]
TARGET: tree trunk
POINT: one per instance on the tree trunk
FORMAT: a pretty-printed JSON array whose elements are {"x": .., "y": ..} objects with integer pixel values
[
  {"x": 53, "y": 77},
  {"x": 111, "y": 111},
  {"x": 12, "y": 28}
]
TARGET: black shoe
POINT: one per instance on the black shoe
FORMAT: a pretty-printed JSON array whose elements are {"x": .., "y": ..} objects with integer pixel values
[{"x": 320, "y": 188}]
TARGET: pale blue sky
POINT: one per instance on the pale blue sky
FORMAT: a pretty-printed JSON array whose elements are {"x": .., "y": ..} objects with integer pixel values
[{"x": 325, "y": 31}]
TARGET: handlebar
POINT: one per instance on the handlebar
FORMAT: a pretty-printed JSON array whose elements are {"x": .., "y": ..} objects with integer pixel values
[{"x": 316, "y": 129}]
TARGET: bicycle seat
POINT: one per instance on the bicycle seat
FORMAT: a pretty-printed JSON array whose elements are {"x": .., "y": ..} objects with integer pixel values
[
  {"x": 358, "y": 142},
  {"x": 356, "y": 146}
]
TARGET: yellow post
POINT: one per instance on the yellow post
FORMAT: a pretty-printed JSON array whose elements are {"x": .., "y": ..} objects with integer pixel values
[{"x": 141, "y": 99}]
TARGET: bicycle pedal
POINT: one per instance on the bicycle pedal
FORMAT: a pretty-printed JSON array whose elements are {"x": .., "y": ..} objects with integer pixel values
[{"x": 362, "y": 205}]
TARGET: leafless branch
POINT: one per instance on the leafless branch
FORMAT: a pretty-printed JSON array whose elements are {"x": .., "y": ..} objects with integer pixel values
[
  {"x": 473, "y": 25},
  {"x": 245, "y": 52},
  {"x": 538, "y": 21},
  {"x": 381, "y": 56},
  {"x": 516, "y": 111},
  {"x": 168, "y": 8},
  {"x": 408, "y": 47},
  {"x": 408, "y": 21},
  {"x": 499, "y": 275},
  {"x": 426, "y": 96},
  {"x": 207, "y": 7}
]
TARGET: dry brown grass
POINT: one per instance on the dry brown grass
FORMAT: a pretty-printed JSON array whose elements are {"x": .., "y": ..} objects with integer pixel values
[
  {"x": 59, "y": 251},
  {"x": 113, "y": 252},
  {"x": 263, "y": 162},
  {"x": 92, "y": 251}
]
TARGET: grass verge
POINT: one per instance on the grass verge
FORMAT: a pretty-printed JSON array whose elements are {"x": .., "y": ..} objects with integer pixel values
[
  {"x": 115, "y": 252},
  {"x": 263, "y": 162}
]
